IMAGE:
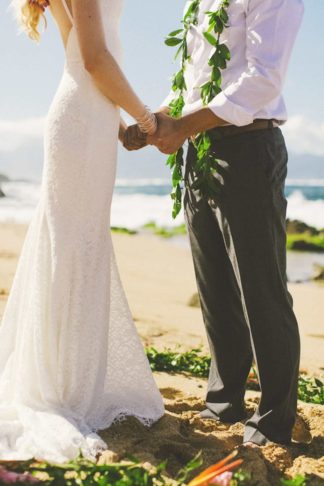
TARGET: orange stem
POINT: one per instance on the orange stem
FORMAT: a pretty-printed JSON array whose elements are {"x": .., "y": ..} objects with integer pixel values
[
  {"x": 230, "y": 466},
  {"x": 218, "y": 465},
  {"x": 204, "y": 480}
]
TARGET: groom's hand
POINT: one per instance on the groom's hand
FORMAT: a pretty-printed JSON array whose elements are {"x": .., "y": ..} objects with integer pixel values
[
  {"x": 172, "y": 133},
  {"x": 169, "y": 136},
  {"x": 134, "y": 139}
]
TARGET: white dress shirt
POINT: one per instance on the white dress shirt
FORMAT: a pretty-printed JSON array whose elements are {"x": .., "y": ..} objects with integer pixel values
[{"x": 260, "y": 36}]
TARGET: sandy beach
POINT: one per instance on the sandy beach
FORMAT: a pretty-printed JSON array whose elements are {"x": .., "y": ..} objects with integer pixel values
[{"x": 159, "y": 281}]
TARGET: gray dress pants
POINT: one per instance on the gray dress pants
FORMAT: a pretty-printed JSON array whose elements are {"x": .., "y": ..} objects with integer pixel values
[{"x": 238, "y": 243}]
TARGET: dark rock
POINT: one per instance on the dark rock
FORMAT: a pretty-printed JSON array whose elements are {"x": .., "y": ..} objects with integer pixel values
[
  {"x": 295, "y": 226},
  {"x": 4, "y": 178},
  {"x": 318, "y": 273},
  {"x": 2, "y": 194},
  {"x": 194, "y": 301},
  {"x": 303, "y": 245}
]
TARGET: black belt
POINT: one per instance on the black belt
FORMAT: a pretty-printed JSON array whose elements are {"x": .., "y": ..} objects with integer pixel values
[{"x": 228, "y": 130}]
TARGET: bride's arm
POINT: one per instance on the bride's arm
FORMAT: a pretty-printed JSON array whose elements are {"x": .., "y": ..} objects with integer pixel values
[{"x": 99, "y": 62}]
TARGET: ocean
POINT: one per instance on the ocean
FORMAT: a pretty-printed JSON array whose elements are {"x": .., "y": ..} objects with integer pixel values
[{"x": 139, "y": 201}]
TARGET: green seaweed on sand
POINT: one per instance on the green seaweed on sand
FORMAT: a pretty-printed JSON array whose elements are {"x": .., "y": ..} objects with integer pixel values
[
  {"x": 311, "y": 390},
  {"x": 165, "y": 232},
  {"x": 195, "y": 363},
  {"x": 120, "y": 229},
  {"x": 192, "y": 362}
]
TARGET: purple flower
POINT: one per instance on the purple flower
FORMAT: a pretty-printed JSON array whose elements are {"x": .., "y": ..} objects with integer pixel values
[
  {"x": 223, "y": 479},
  {"x": 10, "y": 477}
]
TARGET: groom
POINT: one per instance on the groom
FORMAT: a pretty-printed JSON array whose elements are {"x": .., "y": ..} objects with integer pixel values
[{"x": 238, "y": 240}]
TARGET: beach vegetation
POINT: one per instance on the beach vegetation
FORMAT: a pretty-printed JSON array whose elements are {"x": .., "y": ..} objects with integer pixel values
[
  {"x": 122, "y": 230},
  {"x": 297, "y": 481},
  {"x": 306, "y": 242},
  {"x": 165, "y": 232},
  {"x": 82, "y": 472},
  {"x": 311, "y": 390},
  {"x": 85, "y": 473},
  {"x": 300, "y": 236},
  {"x": 194, "y": 362}
]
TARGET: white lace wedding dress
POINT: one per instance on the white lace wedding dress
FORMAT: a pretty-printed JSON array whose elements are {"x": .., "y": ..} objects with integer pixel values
[{"x": 71, "y": 362}]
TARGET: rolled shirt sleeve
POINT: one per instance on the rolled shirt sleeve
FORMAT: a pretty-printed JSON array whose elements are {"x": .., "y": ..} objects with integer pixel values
[{"x": 271, "y": 30}]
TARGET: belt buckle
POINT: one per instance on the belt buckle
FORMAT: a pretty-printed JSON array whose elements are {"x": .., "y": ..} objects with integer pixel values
[{"x": 275, "y": 124}]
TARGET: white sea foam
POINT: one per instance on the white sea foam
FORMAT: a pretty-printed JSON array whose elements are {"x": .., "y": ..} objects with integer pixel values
[
  {"x": 136, "y": 208},
  {"x": 133, "y": 211},
  {"x": 20, "y": 201},
  {"x": 309, "y": 211},
  {"x": 129, "y": 210},
  {"x": 143, "y": 182}
]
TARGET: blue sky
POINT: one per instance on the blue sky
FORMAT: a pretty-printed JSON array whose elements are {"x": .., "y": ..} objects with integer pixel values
[{"x": 30, "y": 74}]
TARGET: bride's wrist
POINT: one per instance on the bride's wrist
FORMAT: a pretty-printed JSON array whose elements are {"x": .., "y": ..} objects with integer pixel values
[{"x": 147, "y": 121}]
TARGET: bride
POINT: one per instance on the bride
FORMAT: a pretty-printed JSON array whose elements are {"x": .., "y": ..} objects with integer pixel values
[{"x": 71, "y": 362}]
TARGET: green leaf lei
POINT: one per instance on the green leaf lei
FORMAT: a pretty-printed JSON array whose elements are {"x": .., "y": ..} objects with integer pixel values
[{"x": 206, "y": 165}]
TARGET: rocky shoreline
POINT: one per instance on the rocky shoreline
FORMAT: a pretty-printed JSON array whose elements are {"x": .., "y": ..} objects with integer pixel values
[
  {"x": 302, "y": 237},
  {"x": 3, "y": 178}
]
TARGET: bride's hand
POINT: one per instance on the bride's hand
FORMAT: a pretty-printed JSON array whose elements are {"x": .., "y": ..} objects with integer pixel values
[
  {"x": 122, "y": 131},
  {"x": 134, "y": 139}
]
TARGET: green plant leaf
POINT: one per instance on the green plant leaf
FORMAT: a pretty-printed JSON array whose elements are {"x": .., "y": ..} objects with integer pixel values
[
  {"x": 176, "y": 175},
  {"x": 223, "y": 15},
  {"x": 174, "y": 33},
  {"x": 173, "y": 41},
  {"x": 210, "y": 38},
  {"x": 224, "y": 51},
  {"x": 205, "y": 181},
  {"x": 189, "y": 467},
  {"x": 171, "y": 160},
  {"x": 297, "y": 481}
]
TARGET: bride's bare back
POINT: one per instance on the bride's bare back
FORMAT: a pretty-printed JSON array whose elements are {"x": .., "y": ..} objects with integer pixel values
[
  {"x": 61, "y": 18},
  {"x": 90, "y": 18}
]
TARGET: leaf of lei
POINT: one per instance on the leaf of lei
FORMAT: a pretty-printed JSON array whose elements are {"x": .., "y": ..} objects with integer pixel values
[{"x": 206, "y": 165}]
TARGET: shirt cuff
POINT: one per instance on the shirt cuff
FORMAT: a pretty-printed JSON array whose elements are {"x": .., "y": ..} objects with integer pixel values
[{"x": 229, "y": 111}]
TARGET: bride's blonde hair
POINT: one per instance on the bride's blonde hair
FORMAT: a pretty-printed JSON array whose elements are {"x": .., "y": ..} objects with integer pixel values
[{"x": 29, "y": 13}]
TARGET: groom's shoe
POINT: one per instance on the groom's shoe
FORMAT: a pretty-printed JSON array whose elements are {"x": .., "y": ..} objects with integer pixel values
[{"x": 228, "y": 416}]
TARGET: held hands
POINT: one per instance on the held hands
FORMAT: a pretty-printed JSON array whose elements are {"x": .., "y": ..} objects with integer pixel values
[
  {"x": 170, "y": 135},
  {"x": 168, "y": 138}
]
